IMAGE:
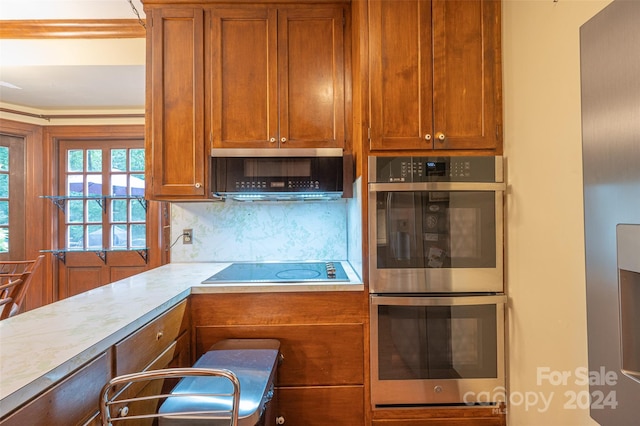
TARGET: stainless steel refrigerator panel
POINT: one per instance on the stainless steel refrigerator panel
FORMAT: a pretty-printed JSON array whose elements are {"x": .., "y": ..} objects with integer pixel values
[{"x": 610, "y": 79}]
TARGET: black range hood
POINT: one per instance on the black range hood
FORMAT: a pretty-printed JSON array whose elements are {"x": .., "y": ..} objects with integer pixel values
[{"x": 281, "y": 174}]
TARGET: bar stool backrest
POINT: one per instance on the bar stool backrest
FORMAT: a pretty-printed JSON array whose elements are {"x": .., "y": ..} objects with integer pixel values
[
  {"x": 213, "y": 399},
  {"x": 15, "y": 277}
]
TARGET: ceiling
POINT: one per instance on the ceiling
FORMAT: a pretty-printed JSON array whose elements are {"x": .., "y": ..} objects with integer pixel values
[{"x": 57, "y": 75}]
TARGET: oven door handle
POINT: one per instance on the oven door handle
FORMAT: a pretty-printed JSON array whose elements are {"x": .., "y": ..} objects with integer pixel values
[
  {"x": 426, "y": 300},
  {"x": 438, "y": 186}
]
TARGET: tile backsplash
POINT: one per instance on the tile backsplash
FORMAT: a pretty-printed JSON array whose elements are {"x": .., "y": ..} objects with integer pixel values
[{"x": 261, "y": 231}]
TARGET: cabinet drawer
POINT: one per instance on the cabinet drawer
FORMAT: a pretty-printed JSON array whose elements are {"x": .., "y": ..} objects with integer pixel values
[
  {"x": 322, "y": 405},
  {"x": 439, "y": 416},
  {"x": 69, "y": 403},
  {"x": 438, "y": 422},
  {"x": 137, "y": 351},
  {"x": 328, "y": 354}
]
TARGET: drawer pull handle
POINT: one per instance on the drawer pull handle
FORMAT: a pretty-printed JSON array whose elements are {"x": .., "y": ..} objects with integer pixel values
[
  {"x": 159, "y": 335},
  {"x": 280, "y": 420}
]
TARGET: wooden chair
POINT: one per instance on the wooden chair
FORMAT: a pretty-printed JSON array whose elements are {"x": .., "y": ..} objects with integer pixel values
[
  {"x": 15, "y": 277},
  {"x": 208, "y": 396}
]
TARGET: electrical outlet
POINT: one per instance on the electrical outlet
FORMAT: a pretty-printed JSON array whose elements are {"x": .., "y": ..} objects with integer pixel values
[{"x": 187, "y": 236}]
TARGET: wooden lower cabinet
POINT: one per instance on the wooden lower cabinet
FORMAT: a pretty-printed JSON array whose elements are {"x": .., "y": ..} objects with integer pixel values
[
  {"x": 321, "y": 405},
  {"x": 70, "y": 402},
  {"x": 138, "y": 350},
  {"x": 321, "y": 378},
  {"x": 163, "y": 342}
]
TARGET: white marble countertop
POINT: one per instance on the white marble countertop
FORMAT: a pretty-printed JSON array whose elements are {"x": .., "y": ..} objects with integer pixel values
[{"x": 40, "y": 347}]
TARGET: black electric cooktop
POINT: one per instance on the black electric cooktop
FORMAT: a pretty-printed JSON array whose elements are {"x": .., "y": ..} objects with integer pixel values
[{"x": 279, "y": 272}]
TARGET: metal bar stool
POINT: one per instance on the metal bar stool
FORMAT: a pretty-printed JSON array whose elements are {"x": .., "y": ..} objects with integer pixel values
[{"x": 207, "y": 395}]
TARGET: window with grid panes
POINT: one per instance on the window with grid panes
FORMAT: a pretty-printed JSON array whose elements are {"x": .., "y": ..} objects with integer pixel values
[
  {"x": 106, "y": 207},
  {"x": 4, "y": 199}
]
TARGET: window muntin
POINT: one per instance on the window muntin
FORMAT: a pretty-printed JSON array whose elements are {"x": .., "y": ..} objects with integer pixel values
[
  {"x": 4, "y": 199},
  {"x": 111, "y": 216}
]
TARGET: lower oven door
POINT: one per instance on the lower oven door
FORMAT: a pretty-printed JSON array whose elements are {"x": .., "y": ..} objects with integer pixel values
[{"x": 437, "y": 350}]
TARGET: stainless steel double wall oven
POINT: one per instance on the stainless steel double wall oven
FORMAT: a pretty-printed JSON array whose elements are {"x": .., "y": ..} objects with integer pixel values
[{"x": 436, "y": 280}]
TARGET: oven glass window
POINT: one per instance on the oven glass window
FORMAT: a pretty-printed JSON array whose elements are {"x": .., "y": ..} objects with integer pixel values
[
  {"x": 436, "y": 229},
  {"x": 437, "y": 342}
]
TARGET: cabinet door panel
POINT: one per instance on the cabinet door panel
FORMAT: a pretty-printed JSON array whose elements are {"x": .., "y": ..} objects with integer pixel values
[
  {"x": 69, "y": 403},
  {"x": 311, "y": 77},
  {"x": 330, "y": 354},
  {"x": 401, "y": 83},
  {"x": 435, "y": 71},
  {"x": 175, "y": 143},
  {"x": 244, "y": 103},
  {"x": 466, "y": 97},
  {"x": 321, "y": 406}
]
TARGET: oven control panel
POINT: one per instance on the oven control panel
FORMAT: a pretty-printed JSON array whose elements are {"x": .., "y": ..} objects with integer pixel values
[{"x": 435, "y": 169}]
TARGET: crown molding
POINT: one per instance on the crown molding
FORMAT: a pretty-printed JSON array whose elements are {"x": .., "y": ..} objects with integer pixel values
[{"x": 85, "y": 28}]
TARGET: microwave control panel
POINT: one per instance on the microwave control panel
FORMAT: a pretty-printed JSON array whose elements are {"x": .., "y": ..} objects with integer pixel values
[{"x": 435, "y": 169}]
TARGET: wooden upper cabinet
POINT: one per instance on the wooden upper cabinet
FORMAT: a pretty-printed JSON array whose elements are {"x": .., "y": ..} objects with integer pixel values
[
  {"x": 176, "y": 148},
  {"x": 277, "y": 77},
  {"x": 435, "y": 75}
]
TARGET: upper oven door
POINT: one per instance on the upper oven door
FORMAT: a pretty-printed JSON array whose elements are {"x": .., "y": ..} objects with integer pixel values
[{"x": 435, "y": 237}]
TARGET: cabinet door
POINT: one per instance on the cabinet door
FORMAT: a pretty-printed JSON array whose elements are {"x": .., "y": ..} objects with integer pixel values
[
  {"x": 467, "y": 101},
  {"x": 401, "y": 74},
  {"x": 176, "y": 149},
  {"x": 322, "y": 405},
  {"x": 243, "y": 76},
  {"x": 435, "y": 75},
  {"x": 311, "y": 72}
]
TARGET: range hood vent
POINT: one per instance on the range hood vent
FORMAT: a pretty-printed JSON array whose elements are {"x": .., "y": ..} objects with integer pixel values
[{"x": 281, "y": 174}]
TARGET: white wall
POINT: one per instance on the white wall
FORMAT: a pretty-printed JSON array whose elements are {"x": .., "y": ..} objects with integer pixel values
[{"x": 545, "y": 240}]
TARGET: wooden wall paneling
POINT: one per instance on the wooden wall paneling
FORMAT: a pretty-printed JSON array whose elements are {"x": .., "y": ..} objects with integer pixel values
[
  {"x": 36, "y": 161},
  {"x": 78, "y": 279}
]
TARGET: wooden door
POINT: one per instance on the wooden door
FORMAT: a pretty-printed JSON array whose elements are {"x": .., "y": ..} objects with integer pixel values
[
  {"x": 311, "y": 72},
  {"x": 106, "y": 229},
  {"x": 243, "y": 78},
  {"x": 401, "y": 75},
  {"x": 12, "y": 197},
  {"x": 177, "y": 152},
  {"x": 467, "y": 100}
]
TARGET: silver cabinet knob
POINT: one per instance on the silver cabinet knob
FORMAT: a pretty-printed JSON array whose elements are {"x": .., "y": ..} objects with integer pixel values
[
  {"x": 198, "y": 185},
  {"x": 124, "y": 411},
  {"x": 272, "y": 140},
  {"x": 440, "y": 136},
  {"x": 427, "y": 137},
  {"x": 283, "y": 140}
]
